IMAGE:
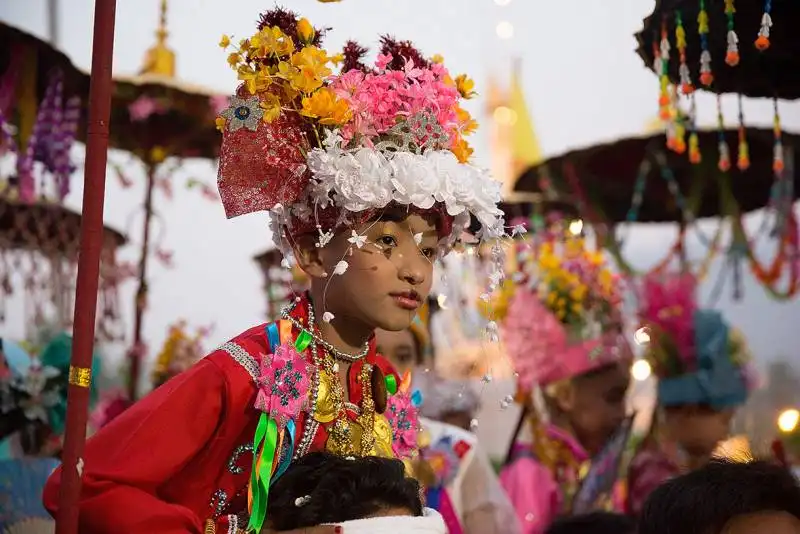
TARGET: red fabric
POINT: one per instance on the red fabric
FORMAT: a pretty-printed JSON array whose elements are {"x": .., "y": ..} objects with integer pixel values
[{"x": 155, "y": 468}]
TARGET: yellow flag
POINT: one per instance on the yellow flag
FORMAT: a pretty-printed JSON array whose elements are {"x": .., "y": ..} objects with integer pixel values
[{"x": 526, "y": 150}]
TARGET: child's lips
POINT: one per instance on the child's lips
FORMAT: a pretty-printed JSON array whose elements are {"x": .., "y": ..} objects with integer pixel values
[{"x": 408, "y": 300}]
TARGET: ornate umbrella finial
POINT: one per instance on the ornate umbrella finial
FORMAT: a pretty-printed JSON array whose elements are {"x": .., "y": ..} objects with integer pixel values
[{"x": 160, "y": 59}]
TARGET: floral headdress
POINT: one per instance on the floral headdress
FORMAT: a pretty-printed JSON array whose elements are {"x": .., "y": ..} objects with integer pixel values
[
  {"x": 561, "y": 314},
  {"x": 697, "y": 356},
  {"x": 319, "y": 150}
]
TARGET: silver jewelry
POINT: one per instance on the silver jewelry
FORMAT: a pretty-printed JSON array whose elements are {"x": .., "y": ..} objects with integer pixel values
[
  {"x": 302, "y": 501},
  {"x": 311, "y": 329}
]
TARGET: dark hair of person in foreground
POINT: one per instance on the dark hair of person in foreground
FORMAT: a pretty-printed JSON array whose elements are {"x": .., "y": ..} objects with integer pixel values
[
  {"x": 725, "y": 497},
  {"x": 322, "y": 488},
  {"x": 593, "y": 523}
]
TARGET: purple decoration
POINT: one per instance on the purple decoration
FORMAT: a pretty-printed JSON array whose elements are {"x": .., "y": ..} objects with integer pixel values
[
  {"x": 39, "y": 136},
  {"x": 67, "y": 133},
  {"x": 7, "y": 143}
]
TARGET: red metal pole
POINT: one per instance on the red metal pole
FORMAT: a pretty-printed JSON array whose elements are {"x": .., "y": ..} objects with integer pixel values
[{"x": 88, "y": 264}]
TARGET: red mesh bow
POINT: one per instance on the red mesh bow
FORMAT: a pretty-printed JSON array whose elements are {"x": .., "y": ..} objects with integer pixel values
[{"x": 259, "y": 169}]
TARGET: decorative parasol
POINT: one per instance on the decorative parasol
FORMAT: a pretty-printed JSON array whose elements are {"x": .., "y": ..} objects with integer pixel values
[
  {"x": 737, "y": 49},
  {"x": 41, "y": 97},
  {"x": 607, "y": 174},
  {"x": 160, "y": 120}
]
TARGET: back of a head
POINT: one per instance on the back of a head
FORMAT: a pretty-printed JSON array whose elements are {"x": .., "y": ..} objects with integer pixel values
[
  {"x": 594, "y": 523},
  {"x": 705, "y": 500},
  {"x": 322, "y": 488}
]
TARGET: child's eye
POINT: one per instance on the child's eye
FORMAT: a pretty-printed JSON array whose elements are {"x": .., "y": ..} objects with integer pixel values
[
  {"x": 388, "y": 241},
  {"x": 429, "y": 253}
]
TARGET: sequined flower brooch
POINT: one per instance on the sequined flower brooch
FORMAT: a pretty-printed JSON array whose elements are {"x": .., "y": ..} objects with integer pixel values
[
  {"x": 283, "y": 385},
  {"x": 403, "y": 417}
]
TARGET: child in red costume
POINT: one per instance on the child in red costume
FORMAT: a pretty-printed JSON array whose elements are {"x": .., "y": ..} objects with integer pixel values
[{"x": 365, "y": 177}]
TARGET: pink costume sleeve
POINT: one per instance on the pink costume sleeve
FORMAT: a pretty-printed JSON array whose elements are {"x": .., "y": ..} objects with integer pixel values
[
  {"x": 533, "y": 492},
  {"x": 648, "y": 470}
]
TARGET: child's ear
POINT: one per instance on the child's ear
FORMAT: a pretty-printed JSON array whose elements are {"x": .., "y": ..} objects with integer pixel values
[
  {"x": 308, "y": 256},
  {"x": 564, "y": 396}
]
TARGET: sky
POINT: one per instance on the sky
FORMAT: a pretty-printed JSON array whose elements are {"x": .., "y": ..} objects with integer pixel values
[{"x": 583, "y": 82}]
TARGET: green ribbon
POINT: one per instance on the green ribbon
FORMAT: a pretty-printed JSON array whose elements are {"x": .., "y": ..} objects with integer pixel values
[
  {"x": 303, "y": 341},
  {"x": 391, "y": 384},
  {"x": 264, "y": 445}
]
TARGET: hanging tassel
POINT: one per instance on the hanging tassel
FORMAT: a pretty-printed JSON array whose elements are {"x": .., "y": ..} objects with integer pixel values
[
  {"x": 724, "y": 162},
  {"x": 694, "y": 142},
  {"x": 679, "y": 124},
  {"x": 664, "y": 99},
  {"x": 680, "y": 43},
  {"x": 706, "y": 77},
  {"x": 732, "y": 55},
  {"x": 743, "y": 161},
  {"x": 762, "y": 41},
  {"x": 777, "y": 155}
]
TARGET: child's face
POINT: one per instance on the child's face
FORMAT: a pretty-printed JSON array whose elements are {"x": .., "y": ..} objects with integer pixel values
[
  {"x": 389, "y": 272},
  {"x": 596, "y": 405},
  {"x": 697, "y": 429},
  {"x": 399, "y": 348}
]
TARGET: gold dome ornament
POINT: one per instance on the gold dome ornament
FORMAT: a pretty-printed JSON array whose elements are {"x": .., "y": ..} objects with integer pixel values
[{"x": 160, "y": 59}]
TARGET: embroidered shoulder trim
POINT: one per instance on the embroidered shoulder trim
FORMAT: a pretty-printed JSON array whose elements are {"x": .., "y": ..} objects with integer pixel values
[{"x": 242, "y": 357}]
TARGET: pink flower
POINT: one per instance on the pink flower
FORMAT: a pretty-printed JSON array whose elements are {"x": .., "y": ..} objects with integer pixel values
[
  {"x": 382, "y": 61},
  {"x": 403, "y": 418},
  {"x": 283, "y": 385},
  {"x": 144, "y": 106}
]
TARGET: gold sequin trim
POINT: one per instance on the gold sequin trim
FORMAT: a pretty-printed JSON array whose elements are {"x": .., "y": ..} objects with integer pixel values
[{"x": 80, "y": 376}]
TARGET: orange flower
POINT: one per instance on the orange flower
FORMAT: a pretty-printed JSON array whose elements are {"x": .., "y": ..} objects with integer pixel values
[{"x": 462, "y": 150}]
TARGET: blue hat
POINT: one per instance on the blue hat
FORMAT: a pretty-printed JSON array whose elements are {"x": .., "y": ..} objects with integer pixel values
[{"x": 718, "y": 380}]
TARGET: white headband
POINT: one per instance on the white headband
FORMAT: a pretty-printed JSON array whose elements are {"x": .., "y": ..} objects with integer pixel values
[{"x": 430, "y": 523}]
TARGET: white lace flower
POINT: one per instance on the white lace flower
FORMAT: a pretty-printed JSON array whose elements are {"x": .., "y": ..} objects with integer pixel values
[
  {"x": 357, "y": 240},
  {"x": 414, "y": 180},
  {"x": 328, "y": 317}
]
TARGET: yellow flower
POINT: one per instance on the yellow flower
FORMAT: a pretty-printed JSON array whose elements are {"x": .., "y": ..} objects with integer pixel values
[
  {"x": 337, "y": 59},
  {"x": 224, "y": 41},
  {"x": 255, "y": 81},
  {"x": 437, "y": 58},
  {"x": 271, "y": 42},
  {"x": 234, "y": 59},
  {"x": 305, "y": 31},
  {"x": 271, "y": 105},
  {"x": 576, "y": 308},
  {"x": 578, "y": 292},
  {"x": 595, "y": 258},
  {"x": 324, "y": 104},
  {"x": 606, "y": 280},
  {"x": 312, "y": 68},
  {"x": 467, "y": 124},
  {"x": 220, "y": 122},
  {"x": 465, "y": 86}
]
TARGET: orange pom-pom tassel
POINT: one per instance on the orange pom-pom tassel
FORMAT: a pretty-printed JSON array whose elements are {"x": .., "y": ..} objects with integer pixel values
[
  {"x": 762, "y": 43},
  {"x": 732, "y": 58},
  {"x": 706, "y": 78}
]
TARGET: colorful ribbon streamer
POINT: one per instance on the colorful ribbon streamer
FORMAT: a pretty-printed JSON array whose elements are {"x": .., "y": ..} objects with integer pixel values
[{"x": 269, "y": 440}]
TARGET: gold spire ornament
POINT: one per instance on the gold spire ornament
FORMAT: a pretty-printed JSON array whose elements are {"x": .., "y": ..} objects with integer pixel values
[{"x": 160, "y": 60}]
